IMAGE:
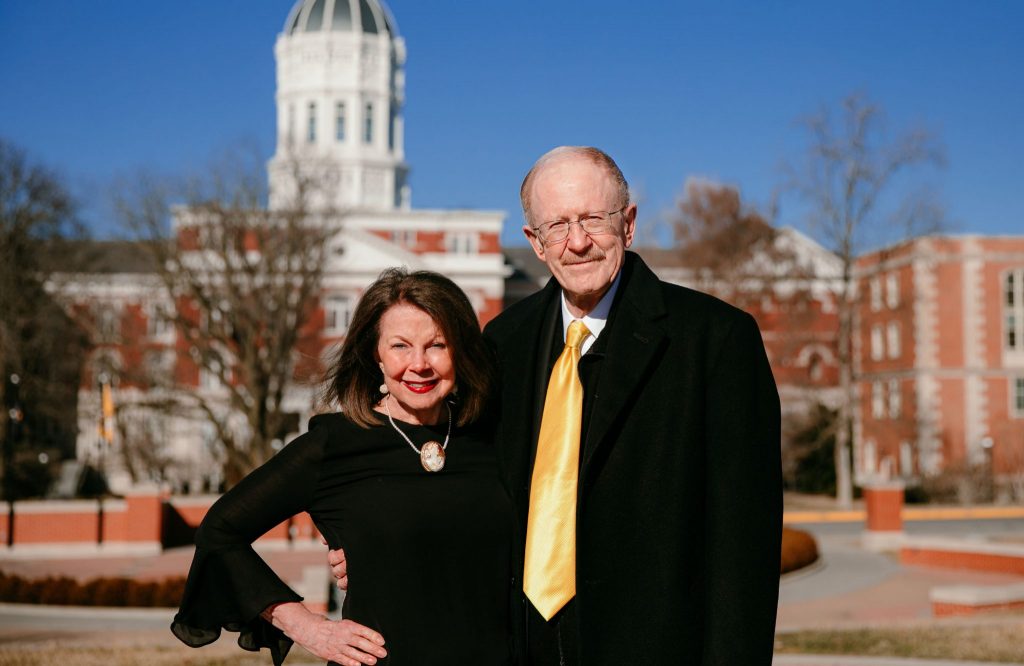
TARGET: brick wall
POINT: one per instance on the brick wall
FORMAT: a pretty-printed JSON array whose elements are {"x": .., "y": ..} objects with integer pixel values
[{"x": 140, "y": 520}]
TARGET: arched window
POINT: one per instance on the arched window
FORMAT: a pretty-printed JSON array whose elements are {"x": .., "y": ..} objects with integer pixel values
[
  {"x": 311, "y": 123},
  {"x": 869, "y": 458},
  {"x": 368, "y": 124},
  {"x": 877, "y": 401},
  {"x": 815, "y": 367},
  {"x": 895, "y": 399},
  {"x": 892, "y": 339},
  {"x": 392, "y": 115},
  {"x": 339, "y": 121},
  {"x": 107, "y": 320},
  {"x": 877, "y": 343},
  {"x": 906, "y": 459}
]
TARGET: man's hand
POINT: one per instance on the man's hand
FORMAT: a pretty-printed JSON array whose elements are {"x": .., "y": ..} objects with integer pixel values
[
  {"x": 339, "y": 567},
  {"x": 344, "y": 641}
]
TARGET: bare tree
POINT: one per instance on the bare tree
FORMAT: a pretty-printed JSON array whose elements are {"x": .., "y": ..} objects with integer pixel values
[
  {"x": 734, "y": 252},
  {"x": 243, "y": 283},
  {"x": 37, "y": 217},
  {"x": 719, "y": 236},
  {"x": 849, "y": 168}
]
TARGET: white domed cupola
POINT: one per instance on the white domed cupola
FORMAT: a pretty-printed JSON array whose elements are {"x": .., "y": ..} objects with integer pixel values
[
  {"x": 367, "y": 16},
  {"x": 340, "y": 91}
]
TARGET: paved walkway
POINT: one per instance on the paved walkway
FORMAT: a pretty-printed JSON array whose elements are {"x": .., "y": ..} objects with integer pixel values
[{"x": 851, "y": 587}]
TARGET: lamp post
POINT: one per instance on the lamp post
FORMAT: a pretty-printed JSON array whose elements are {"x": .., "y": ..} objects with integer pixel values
[
  {"x": 14, "y": 418},
  {"x": 987, "y": 443}
]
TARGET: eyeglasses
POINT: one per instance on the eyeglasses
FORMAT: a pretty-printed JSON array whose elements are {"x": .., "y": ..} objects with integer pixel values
[{"x": 594, "y": 223}]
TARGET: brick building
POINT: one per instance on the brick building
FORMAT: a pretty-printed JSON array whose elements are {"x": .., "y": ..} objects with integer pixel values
[{"x": 939, "y": 348}]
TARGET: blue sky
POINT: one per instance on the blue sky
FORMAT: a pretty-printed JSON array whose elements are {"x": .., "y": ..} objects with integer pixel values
[{"x": 98, "y": 89}]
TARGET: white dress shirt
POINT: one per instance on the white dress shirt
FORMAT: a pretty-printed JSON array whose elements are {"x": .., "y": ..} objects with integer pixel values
[{"x": 594, "y": 320}]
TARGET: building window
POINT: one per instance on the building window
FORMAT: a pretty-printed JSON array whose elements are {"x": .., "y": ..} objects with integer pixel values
[
  {"x": 1018, "y": 397},
  {"x": 1013, "y": 308},
  {"x": 462, "y": 243},
  {"x": 337, "y": 314},
  {"x": 107, "y": 324},
  {"x": 877, "y": 400},
  {"x": 869, "y": 459},
  {"x": 815, "y": 368},
  {"x": 906, "y": 459},
  {"x": 311, "y": 123},
  {"x": 876, "y": 294},
  {"x": 368, "y": 124},
  {"x": 892, "y": 339},
  {"x": 392, "y": 119},
  {"x": 892, "y": 291},
  {"x": 877, "y": 343},
  {"x": 339, "y": 121},
  {"x": 895, "y": 399},
  {"x": 404, "y": 237},
  {"x": 215, "y": 323},
  {"x": 158, "y": 325},
  {"x": 159, "y": 366},
  {"x": 210, "y": 376},
  {"x": 291, "y": 124}
]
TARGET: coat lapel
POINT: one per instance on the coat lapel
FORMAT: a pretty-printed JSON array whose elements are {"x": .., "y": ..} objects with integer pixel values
[
  {"x": 523, "y": 358},
  {"x": 635, "y": 337}
]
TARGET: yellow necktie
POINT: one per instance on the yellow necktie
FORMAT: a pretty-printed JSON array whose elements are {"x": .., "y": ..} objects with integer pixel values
[{"x": 549, "y": 579}]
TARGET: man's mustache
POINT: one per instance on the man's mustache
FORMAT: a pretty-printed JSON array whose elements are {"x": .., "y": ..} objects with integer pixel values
[{"x": 573, "y": 259}]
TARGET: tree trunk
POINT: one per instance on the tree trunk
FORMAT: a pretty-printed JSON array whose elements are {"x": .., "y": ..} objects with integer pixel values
[{"x": 844, "y": 482}]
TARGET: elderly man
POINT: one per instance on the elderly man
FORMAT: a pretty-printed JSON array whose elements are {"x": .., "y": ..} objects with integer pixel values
[{"x": 648, "y": 483}]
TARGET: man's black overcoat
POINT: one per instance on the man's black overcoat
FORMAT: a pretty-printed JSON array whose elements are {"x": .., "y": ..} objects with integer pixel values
[{"x": 679, "y": 511}]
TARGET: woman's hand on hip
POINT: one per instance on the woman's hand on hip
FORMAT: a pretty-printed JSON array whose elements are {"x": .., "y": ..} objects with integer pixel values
[{"x": 342, "y": 641}]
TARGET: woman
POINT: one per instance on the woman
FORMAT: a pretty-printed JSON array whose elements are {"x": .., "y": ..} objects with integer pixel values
[{"x": 404, "y": 479}]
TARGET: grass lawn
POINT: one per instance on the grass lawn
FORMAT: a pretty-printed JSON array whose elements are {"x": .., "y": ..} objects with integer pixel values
[{"x": 998, "y": 643}]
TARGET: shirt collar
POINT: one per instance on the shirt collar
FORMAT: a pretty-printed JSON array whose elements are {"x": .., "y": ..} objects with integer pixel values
[{"x": 594, "y": 320}]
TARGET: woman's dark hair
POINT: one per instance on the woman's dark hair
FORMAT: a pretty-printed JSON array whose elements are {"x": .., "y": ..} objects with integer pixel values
[{"x": 354, "y": 379}]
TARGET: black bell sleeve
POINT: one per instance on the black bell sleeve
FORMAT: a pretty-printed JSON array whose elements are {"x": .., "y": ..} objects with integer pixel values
[{"x": 229, "y": 585}]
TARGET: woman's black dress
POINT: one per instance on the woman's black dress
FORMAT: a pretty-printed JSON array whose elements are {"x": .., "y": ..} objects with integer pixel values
[{"x": 428, "y": 553}]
